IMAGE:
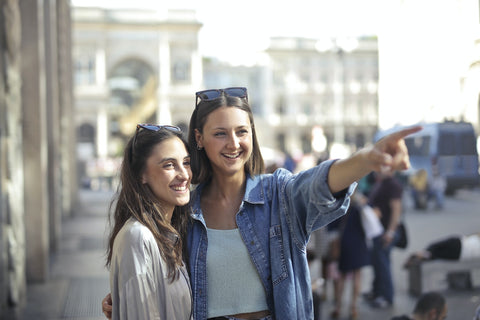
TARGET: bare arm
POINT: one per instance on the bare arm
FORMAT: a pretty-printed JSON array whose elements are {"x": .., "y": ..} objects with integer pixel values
[
  {"x": 396, "y": 211},
  {"x": 396, "y": 207},
  {"x": 389, "y": 153}
]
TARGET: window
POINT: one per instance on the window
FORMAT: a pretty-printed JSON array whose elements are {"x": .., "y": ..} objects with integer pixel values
[
  {"x": 281, "y": 108},
  {"x": 86, "y": 133},
  {"x": 418, "y": 146},
  {"x": 181, "y": 71},
  {"x": 281, "y": 141},
  {"x": 85, "y": 69},
  {"x": 306, "y": 143},
  {"x": 467, "y": 144}
]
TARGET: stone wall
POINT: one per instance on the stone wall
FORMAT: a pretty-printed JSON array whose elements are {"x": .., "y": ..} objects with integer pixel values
[
  {"x": 37, "y": 159},
  {"x": 12, "y": 225}
]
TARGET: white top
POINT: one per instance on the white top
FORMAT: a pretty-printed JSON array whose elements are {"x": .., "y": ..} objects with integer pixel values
[
  {"x": 138, "y": 279},
  {"x": 470, "y": 247},
  {"x": 233, "y": 283}
]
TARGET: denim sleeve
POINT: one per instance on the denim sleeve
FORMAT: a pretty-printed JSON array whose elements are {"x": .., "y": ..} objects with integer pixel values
[{"x": 310, "y": 204}]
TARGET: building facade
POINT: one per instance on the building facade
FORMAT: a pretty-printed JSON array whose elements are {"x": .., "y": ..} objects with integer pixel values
[
  {"x": 321, "y": 93},
  {"x": 130, "y": 66},
  {"x": 306, "y": 98}
]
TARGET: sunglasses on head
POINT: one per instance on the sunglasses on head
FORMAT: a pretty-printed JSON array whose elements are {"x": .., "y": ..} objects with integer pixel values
[
  {"x": 153, "y": 127},
  {"x": 212, "y": 94}
]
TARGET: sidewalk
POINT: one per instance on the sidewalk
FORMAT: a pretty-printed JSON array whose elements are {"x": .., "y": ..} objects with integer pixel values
[{"x": 78, "y": 279}]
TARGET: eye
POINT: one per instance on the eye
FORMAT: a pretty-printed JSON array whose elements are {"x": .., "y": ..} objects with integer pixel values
[
  {"x": 186, "y": 162},
  {"x": 168, "y": 165},
  {"x": 219, "y": 134},
  {"x": 242, "y": 132}
]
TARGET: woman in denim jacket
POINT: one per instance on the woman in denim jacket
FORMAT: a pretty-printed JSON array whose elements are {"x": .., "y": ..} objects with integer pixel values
[{"x": 256, "y": 226}]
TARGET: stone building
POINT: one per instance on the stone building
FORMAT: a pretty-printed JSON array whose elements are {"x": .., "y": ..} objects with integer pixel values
[
  {"x": 37, "y": 163},
  {"x": 130, "y": 66},
  {"x": 321, "y": 87},
  {"x": 305, "y": 91}
]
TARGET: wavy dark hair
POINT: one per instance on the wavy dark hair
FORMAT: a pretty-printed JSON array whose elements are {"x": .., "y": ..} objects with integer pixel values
[
  {"x": 135, "y": 199},
  {"x": 200, "y": 164}
]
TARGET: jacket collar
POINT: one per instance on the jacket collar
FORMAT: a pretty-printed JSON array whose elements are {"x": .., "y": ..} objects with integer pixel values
[{"x": 254, "y": 194}]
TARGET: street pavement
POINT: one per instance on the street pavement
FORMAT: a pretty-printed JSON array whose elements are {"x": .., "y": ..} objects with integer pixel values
[{"x": 79, "y": 280}]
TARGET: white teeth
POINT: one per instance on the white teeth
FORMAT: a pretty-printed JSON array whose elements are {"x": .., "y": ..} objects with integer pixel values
[
  {"x": 232, "y": 156},
  {"x": 180, "y": 188}
]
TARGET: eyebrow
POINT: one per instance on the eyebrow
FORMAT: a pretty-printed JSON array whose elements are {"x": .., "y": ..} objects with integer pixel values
[
  {"x": 237, "y": 127},
  {"x": 172, "y": 159}
]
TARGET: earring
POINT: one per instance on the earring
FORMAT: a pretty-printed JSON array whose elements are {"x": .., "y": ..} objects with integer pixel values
[{"x": 199, "y": 148}]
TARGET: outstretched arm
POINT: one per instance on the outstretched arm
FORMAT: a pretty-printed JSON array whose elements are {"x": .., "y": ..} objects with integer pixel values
[{"x": 389, "y": 153}]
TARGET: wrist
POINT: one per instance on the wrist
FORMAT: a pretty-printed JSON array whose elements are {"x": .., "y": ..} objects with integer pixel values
[{"x": 389, "y": 233}]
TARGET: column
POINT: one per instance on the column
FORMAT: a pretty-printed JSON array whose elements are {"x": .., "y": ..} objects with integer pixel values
[
  {"x": 35, "y": 140},
  {"x": 163, "y": 112},
  {"x": 53, "y": 122}
]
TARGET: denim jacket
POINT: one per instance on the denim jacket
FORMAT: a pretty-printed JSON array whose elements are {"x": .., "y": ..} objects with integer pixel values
[{"x": 278, "y": 213}]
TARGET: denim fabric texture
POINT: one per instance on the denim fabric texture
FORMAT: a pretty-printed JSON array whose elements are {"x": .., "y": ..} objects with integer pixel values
[
  {"x": 276, "y": 218},
  {"x": 383, "y": 282}
]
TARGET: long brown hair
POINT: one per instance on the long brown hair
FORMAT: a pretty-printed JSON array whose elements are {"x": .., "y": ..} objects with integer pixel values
[
  {"x": 200, "y": 164},
  {"x": 135, "y": 199}
]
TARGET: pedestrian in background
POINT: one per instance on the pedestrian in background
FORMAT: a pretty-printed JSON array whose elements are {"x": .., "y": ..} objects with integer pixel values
[
  {"x": 353, "y": 256},
  {"x": 454, "y": 247},
  {"x": 386, "y": 198}
]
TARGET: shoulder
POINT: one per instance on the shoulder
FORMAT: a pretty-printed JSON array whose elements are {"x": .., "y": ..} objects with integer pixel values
[
  {"x": 267, "y": 181},
  {"x": 134, "y": 234}
]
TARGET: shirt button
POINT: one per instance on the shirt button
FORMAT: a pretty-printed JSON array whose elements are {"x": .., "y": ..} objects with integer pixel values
[{"x": 252, "y": 242}]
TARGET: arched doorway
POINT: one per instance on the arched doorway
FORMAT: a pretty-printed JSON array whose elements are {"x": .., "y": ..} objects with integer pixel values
[{"x": 133, "y": 88}]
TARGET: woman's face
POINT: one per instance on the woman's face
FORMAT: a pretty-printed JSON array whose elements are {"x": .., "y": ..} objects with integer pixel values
[
  {"x": 227, "y": 140},
  {"x": 168, "y": 173}
]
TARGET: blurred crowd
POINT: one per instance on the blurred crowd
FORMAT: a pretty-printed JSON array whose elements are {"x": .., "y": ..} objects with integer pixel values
[{"x": 338, "y": 252}]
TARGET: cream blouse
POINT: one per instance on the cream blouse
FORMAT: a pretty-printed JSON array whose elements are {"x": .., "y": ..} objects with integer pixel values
[{"x": 139, "y": 284}]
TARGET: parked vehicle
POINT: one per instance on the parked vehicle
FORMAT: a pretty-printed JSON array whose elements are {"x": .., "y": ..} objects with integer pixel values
[{"x": 450, "y": 147}]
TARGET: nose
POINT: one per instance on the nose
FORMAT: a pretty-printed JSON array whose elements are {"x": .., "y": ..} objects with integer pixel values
[
  {"x": 233, "y": 141},
  {"x": 183, "y": 173}
]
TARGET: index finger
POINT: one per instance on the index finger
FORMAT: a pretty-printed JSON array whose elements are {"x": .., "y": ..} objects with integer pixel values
[{"x": 398, "y": 135}]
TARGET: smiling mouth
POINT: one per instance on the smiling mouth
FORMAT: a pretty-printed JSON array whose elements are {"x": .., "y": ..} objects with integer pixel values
[
  {"x": 180, "y": 188},
  {"x": 232, "y": 155}
]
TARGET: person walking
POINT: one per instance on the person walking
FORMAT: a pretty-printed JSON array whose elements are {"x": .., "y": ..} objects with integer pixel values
[{"x": 386, "y": 199}]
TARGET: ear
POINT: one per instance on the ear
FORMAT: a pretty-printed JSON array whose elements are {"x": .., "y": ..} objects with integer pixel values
[
  {"x": 198, "y": 138},
  {"x": 144, "y": 178}
]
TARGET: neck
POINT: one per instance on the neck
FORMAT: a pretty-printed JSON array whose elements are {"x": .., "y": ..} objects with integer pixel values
[
  {"x": 168, "y": 213},
  {"x": 228, "y": 186}
]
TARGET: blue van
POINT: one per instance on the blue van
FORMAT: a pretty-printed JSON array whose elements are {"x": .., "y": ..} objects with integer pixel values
[{"x": 451, "y": 146}]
